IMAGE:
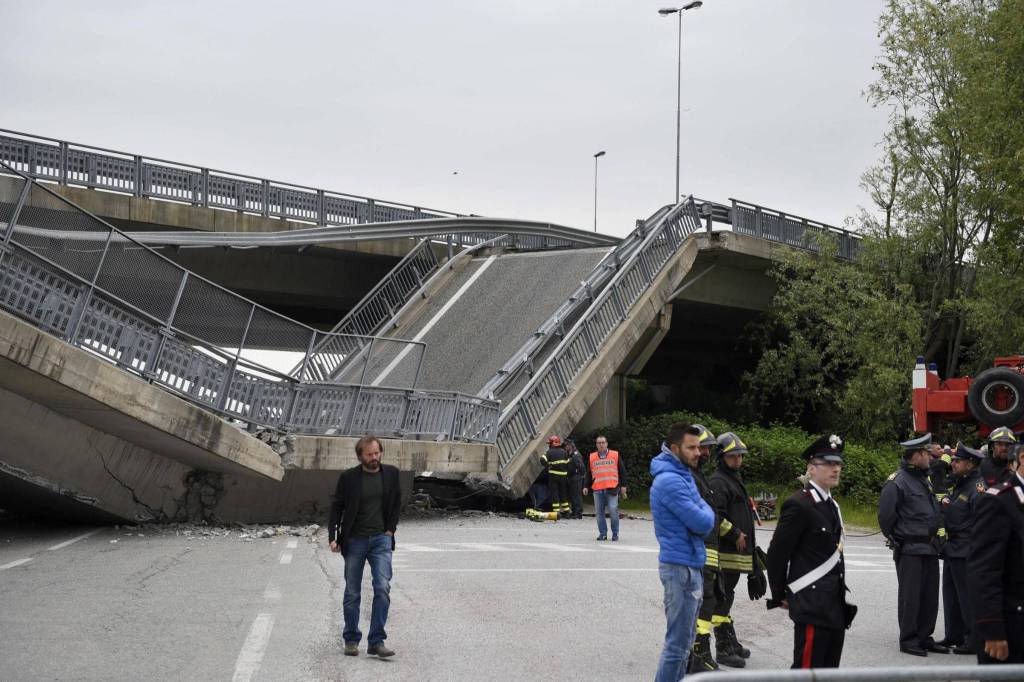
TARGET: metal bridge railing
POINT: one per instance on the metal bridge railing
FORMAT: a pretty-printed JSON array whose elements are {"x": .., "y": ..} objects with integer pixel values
[
  {"x": 944, "y": 673},
  {"x": 583, "y": 343},
  {"x": 71, "y": 163},
  {"x": 134, "y": 308},
  {"x": 778, "y": 226}
]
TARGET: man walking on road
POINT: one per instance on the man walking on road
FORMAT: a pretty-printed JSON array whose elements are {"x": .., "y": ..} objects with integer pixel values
[
  {"x": 805, "y": 565},
  {"x": 364, "y": 516},
  {"x": 681, "y": 520},
  {"x": 606, "y": 475},
  {"x": 908, "y": 515}
]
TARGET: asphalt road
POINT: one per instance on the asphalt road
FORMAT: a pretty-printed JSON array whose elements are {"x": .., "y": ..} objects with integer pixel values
[{"x": 472, "y": 597}]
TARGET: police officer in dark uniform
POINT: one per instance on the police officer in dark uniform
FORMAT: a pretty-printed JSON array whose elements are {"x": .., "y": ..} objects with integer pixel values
[
  {"x": 1001, "y": 444},
  {"x": 995, "y": 572},
  {"x": 958, "y": 517},
  {"x": 806, "y": 571},
  {"x": 908, "y": 515},
  {"x": 701, "y": 659}
]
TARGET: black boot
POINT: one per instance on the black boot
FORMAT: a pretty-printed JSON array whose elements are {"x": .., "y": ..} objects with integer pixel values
[
  {"x": 737, "y": 648},
  {"x": 724, "y": 649},
  {"x": 700, "y": 656}
]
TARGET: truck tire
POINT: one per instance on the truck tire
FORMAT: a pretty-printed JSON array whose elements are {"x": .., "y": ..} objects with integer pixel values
[{"x": 985, "y": 388}]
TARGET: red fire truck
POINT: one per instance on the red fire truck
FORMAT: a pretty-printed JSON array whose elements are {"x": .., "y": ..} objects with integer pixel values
[{"x": 993, "y": 398}]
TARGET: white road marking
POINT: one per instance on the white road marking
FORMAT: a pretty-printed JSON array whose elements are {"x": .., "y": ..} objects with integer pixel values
[
  {"x": 251, "y": 655},
  {"x": 12, "y": 564},
  {"x": 272, "y": 593},
  {"x": 72, "y": 541},
  {"x": 855, "y": 562},
  {"x": 629, "y": 548},
  {"x": 433, "y": 321},
  {"x": 286, "y": 557},
  {"x": 553, "y": 547},
  {"x": 292, "y": 544},
  {"x": 411, "y": 547}
]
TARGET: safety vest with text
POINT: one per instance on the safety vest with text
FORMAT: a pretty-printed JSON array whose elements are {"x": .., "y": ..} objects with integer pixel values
[{"x": 605, "y": 470}]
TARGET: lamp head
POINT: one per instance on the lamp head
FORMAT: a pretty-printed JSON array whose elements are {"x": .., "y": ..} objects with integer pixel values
[
  {"x": 599, "y": 154},
  {"x": 693, "y": 5},
  {"x": 665, "y": 11}
]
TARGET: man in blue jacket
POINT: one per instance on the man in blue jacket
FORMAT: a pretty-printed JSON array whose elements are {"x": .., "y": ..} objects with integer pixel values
[{"x": 681, "y": 520}]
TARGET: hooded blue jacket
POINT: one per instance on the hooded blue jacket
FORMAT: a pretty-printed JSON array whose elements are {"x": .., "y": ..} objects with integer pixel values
[{"x": 681, "y": 517}]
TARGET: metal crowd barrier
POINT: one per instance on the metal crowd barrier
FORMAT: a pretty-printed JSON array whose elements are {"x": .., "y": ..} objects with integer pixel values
[
  {"x": 583, "y": 342},
  {"x": 72, "y": 163},
  {"x": 134, "y": 308},
  {"x": 945, "y": 673}
]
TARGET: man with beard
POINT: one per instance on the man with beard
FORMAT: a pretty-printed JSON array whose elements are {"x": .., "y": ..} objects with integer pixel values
[
  {"x": 701, "y": 659},
  {"x": 995, "y": 467},
  {"x": 364, "y": 517},
  {"x": 908, "y": 515},
  {"x": 958, "y": 517}
]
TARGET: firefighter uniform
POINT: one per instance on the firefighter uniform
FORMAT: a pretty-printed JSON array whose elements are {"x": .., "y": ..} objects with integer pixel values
[
  {"x": 958, "y": 516},
  {"x": 995, "y": 569},
  {"x": 738, "y": 517},
  {"x": 995, "y": 467},
  {"x": 940, "y": 474},
  {"x": 908, "y": 515},
  {"x": 701, "y": 659},
  {"x": 556, "y": 459},
  {"x": 806, "y": 567}
]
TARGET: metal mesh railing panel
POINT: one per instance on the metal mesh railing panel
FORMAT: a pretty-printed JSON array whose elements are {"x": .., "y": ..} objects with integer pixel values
[
  {"x": 190, "y": 371},
  {"x": 257, "y": 399},
  {"x": 323, "y": 409},
  {"x": 380, "y": 411},
  {"x": 165, "y": 182},
  {"x": 208, "y": 312},
  {"x": 140, "y": 278},
  {"x": 50, "y": 227},
  {"x": 342, "y": 211}
]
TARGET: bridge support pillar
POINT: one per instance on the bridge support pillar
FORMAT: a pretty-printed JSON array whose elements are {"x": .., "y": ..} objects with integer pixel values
[{"x": 608, "y": 408}]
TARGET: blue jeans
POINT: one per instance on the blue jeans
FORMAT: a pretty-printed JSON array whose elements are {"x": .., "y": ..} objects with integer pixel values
[
  {"x": 684, "y": 591},
  {"x": 603, "y": 498},
  {"x": 377, "y": 551}
]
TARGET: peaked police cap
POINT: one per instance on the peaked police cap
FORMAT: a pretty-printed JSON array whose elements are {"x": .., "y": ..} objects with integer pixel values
[
  {"x": 922, "y": 443},
  {"x": 964, "y": 452},
  {"x": 828, "y": 448}
]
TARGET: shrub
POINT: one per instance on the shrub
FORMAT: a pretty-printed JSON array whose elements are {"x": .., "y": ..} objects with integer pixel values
[{"x": 774, "y": 453}]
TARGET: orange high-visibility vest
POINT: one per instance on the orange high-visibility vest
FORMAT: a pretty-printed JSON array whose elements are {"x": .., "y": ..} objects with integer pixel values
[{"x": 605, "y": 472}]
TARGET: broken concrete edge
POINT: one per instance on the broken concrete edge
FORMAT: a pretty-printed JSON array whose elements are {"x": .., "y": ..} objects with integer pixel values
[
  {"x": 86, "y": 382},
  {"x": 517, "y": 477},
  {"x": 337, "y": 453}
]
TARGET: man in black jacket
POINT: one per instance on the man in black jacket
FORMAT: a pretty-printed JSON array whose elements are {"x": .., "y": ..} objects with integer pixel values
[
  {"x": 364, "y": 517},
  {"x": 736, "y": 547},
  {"x": 908, "y": 515},
  {"x": 806, "y": 571},
  {"x": 958, "y": 517},
  {"x": 995, "y": 572}
]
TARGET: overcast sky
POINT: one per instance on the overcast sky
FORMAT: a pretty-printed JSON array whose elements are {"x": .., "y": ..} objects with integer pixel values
[{"x": 392, "y": 99}]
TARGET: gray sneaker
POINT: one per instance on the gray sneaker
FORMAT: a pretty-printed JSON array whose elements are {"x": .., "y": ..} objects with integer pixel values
[
  {"x": 379, "y": 650},
  {"x": 351, "y": 648}
]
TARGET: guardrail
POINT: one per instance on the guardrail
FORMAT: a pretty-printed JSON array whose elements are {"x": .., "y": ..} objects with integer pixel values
[
  {"x": 779, "y": 226},
  {"x": 130, "y": 306},
  {"x": 583, "y": 342},
  {"x": 72, "y": 163},
  {"x": 931, "y": 673}
]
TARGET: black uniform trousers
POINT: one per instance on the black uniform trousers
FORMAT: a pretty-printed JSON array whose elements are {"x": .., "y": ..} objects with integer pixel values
[
  {"x": 729, "y": 581},
  {"x": 712, "y": 588},
  {"x": 1013, "y": 621},
  {"x": 817, "y": 647},
  {"x": 576, "y": 495},
  {"x": 956, "y": 606},
  {"x": 558, "y": 489},
  {"x": 918, "y": 604}
]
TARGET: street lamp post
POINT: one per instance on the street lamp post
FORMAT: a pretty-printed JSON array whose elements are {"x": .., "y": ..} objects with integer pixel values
[
  {"x": 679, "y": 74},
  {"x": 596, "y": 157}
]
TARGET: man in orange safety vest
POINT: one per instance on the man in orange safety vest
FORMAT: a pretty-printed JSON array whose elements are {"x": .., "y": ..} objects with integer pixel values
[{"x": 606, "y": 474}]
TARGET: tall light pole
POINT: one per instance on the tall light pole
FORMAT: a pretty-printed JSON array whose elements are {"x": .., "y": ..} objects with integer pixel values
[
  {"x": 596, "y": 157},
  {"x": 679, "y": 74}
]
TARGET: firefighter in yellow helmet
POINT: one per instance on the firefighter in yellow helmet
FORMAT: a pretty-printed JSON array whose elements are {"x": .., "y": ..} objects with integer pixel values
[{"x": 996, "y": 467}]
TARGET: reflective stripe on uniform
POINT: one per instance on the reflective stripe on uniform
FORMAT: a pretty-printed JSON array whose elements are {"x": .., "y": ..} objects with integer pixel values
[
  {"x": 724, "y": 529},
  {"x": 743, "y": 563},
  {"x": 703, "y": 626},
  {"x": 712, "y": 558}
]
